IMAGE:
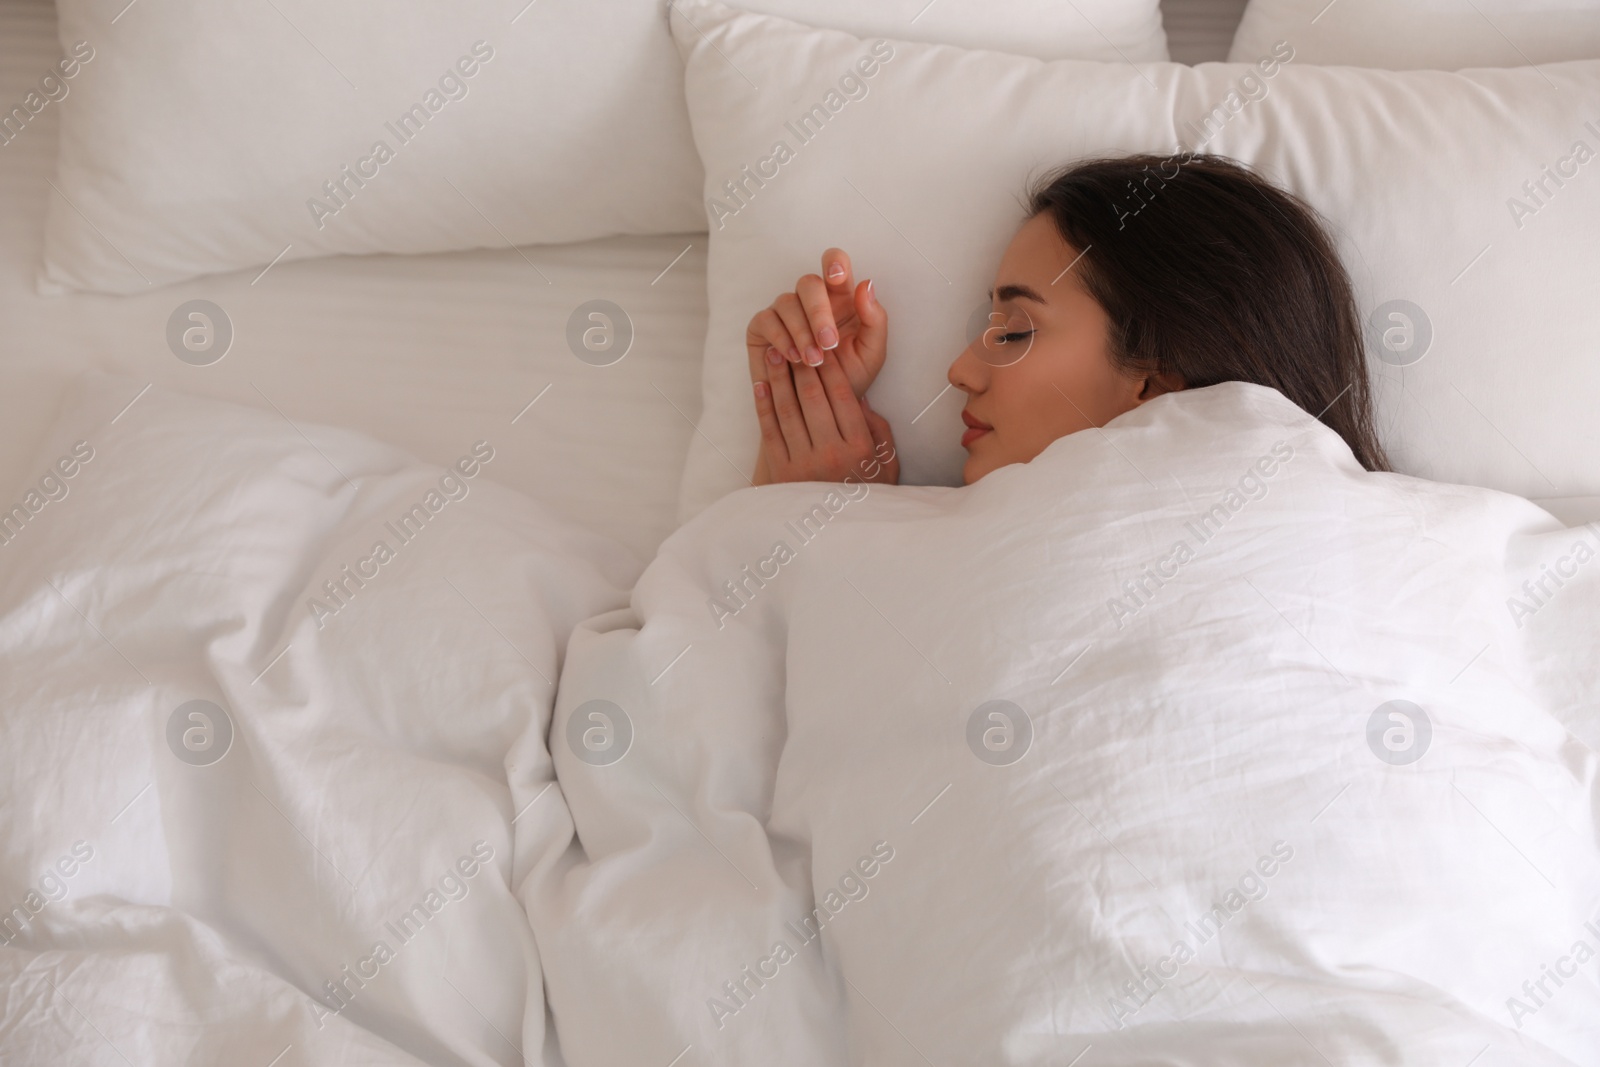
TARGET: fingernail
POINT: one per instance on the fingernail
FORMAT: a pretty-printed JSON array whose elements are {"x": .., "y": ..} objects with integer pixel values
[
  {"x": 828, "y": 337},
  {"x": 794, "y": 355},
  {"x": 872, "y": 294},
  {"x": 813, "y": 356},
  {"x": 836, "y": 272},
  {"x": 774, "y": 357},
  {"x": 761, "y": 390}
]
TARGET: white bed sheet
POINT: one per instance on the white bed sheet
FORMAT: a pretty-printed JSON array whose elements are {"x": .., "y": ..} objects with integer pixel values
[{"x": 426, "y": 352}]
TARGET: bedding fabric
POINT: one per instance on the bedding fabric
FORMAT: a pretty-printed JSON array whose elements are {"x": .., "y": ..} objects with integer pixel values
[
  {"x": 1414, "y": 34},
  {"x": 423, "y": 352},
  {"x": 261, "y": 776},
  {"x": 210, "y": 135},
  {"x": 1466, "y": 207},
  {"x": 1187, "y": 742}
]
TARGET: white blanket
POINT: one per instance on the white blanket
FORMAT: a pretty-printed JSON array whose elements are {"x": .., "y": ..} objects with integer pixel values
[
  {"x": 1188, "y": 742},
  {"x": 261, "y": 777}
]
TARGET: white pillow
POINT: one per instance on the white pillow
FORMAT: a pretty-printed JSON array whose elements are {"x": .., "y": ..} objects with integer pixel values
[
  {"x": 1417, "y": 34},
  {"x": 921, "y": 183},
  {"x": 199, "y": 134}
]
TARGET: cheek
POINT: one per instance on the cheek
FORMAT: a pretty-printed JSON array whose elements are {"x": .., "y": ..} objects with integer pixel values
[
  {"x": 1095, "y": 391},
  {"x": 1038, "y": 399}
]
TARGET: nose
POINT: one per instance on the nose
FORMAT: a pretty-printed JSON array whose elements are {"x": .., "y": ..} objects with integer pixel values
[{"x": 968, "y": 372}]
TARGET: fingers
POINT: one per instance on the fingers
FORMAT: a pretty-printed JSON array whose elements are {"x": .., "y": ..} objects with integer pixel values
[
  {"x": 848, "y": 417},
  {"x": 786, "y": 405},
  {"x": 798, "y": 323},
  {"x": 838, "y": 271},
  {"x": 817, "y": 302},
  {"x": 821, "y": 426},
  {"x": 868, "y": 345},
  {"x": 805, "y": 323},
  {"x": 774, "y": 449},
  {"x": 831, "y": 307},
  {"x": 768, "y": 329},
  {"x": 873, "y": 337}
]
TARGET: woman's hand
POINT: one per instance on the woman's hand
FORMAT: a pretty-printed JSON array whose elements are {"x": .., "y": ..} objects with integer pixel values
[
  {"x": 825, "y": 313},
  {"x": 815, "y": 429}
]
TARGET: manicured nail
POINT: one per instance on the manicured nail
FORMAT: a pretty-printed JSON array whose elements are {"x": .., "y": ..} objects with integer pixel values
[
  {"x": 836, "y": 272},
  {"x": 813, "y": 356},
  {"x": 794, "y": 355},
  {"x": 828, "y": 337},
  {"x": 774, "y": 357},
  {"x": 761, "y": 390},
  {"x": 872, "y": 294}
]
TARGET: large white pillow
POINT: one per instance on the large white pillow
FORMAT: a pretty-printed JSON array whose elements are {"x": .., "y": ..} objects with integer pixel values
[
  {"x": 1418, "y": 34},
  {"x": 921, "y": 182},
  {"x": 199, "y": 134}
]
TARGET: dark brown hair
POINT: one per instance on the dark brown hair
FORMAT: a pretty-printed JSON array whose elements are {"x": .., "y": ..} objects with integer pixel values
[{"x": 1210, "y": 273}]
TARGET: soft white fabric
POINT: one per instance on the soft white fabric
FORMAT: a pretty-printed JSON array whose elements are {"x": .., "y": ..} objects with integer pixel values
[
  {"x": 1417, "y": 34},
  {"x": 200, "y": 132},
  {"x": 1419, "y": 173},
  {"x": 424, "y": 352},
  {"x": 798, "y": 716},
  {"x": 174, "y": 911}
]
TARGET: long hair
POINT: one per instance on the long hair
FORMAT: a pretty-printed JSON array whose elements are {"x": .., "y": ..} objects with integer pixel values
[{"x": 1210, "y": 273}]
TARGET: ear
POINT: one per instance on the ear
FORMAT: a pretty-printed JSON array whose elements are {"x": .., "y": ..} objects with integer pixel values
[{"x": 1157, "y": 384}]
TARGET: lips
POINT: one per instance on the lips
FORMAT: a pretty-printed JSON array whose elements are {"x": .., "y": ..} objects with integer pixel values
[{"x": 975, "y": 428}]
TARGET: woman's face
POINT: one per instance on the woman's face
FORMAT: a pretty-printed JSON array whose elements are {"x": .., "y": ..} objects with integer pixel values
[{"x": 1043, "y": 368}]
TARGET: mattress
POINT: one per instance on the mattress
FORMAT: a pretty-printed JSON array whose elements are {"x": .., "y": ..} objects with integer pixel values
[{"x": 429, "y": 353}]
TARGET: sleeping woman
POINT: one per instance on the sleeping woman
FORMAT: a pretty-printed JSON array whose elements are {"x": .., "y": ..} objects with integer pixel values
[{"x": 1130, "y": 278}]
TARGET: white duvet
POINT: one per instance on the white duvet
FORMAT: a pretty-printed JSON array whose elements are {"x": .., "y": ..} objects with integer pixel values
[
  {"x": 259, "y": 776},
  {"x": 1188, "y": 742}
]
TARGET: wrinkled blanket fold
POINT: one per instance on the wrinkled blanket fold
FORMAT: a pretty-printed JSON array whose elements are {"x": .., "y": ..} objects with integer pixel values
[{"x": 272, "y": 707}]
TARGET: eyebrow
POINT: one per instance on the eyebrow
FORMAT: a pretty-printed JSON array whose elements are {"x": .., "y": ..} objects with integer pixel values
[{"x": 1014, "y": 292}]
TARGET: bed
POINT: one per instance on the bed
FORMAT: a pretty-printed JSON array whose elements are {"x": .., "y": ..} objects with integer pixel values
[
  {"x": 356, "y": 342},
  {"x": 277, "y": 795}
]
